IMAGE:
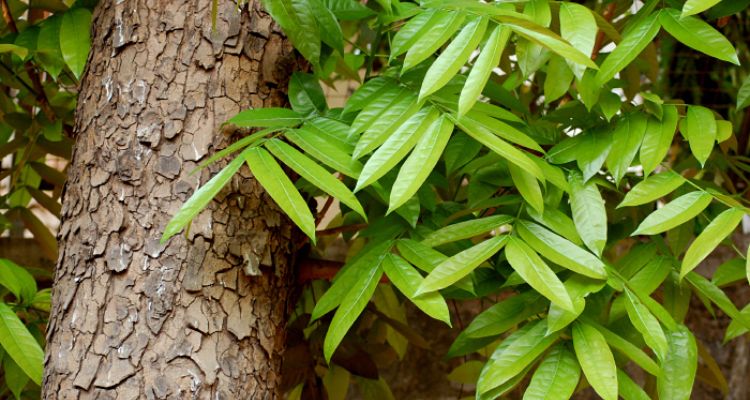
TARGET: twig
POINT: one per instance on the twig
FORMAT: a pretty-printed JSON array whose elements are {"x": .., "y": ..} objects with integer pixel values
[{"x": 340, "y": 229}]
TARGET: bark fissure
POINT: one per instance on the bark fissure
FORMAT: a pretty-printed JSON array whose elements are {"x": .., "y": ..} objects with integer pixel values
[{"x": 133, "y": 318}]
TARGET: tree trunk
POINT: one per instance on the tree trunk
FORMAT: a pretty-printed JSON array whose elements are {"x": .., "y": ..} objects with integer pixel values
[{"x": 135, "y": 319}]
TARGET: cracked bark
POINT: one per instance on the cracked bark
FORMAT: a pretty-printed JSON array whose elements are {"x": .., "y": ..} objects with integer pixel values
[{"x": 135, "y": 319}]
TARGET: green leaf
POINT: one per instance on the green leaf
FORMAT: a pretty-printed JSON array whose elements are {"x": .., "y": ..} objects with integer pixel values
[
  {"x": 75, "y": 41},
  {"x": 21, "y": 52},
  {"x": 628, "y": 389},
  {"x": 658, "y": 138},
  {"x": 628, "y": 349},
  {"x": 537, "y": 273},
  {"x": 326, "y": 151},
  {"x": 730, "y": 272},
  {"x": 578, "y": 288},
  {"x": 559, "y": 222},
  {"x": 503, "y": 149},
  {"x": 505, "y": 315},
  {"x": 528, "y": 186},
  {"x": 700, "y": 130},
  {"x": 396, "y": 147},
  {"x": 578, "y": 27},
  {"x": 407, "y": 280},
  {"x": 298, "y": 22},
  {"x": 589, "y": 214},
  {"x": 596, "y": 360},
  {"x": 20, "y": 345},
  {"x": 560, "y": 251},
  {"x": 718, "y": 297},
  {"x": 420, "y": 162},
  {"x": 743, "y": 96},
  {"x": 548, "y": 39},
  {"x": 200, "y": 199},
  {"x": 488, "y": 59},
  {"x": 513, "y": 355},
  {"x": 676, "y": 212},
  {"x": 646, "y": 324},
  {"x": 697, "y": 34},
  {"x": 14, "y": 377},
  {"x": 461, "y": 264},
  {"x": 507, "y": 132},
  {"x": 635, "y": 40},
  {"x": 721, "y": 227},
  {"x": 423, "y": 22},
  {"x": 17, "y": 280},
  {"x": 429, "y": 42},
  {"x": 305, "y": 93},
  {"x": 693, "y": 7},
  {"x": 314, "y": 173},
  {"x": 679, "y": 367},
  {"x": 465, "y": 230},
  {"x": 355, "y": 301},
  {"x": 349, "y": 275},
  {"x": 380, "y": 103},
  {"x": 626, "y": 140},
  {"x": 387, "y": 122},
  {"x": 273, "y": 179},
  {"x": 558, "y": 80},
  {"x": 556, "y": 377},
  {"x": 330, "y": 30},
  {"x": 348, "y": 10},
  {"x": 652, "y": 189},
  {"x": 453, "y": 57},
  {"x": 460, "y": 150},
  {"x": 272, "y": 117},
  {"x": 336, "y": 382}
]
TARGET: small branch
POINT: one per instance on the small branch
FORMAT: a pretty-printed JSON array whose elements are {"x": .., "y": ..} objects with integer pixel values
[
  {"x": 340, "y": 229},
  {"x": 323, "y": 212},
  {"x": 608, "y": 14},
  {"x": 311, "y": 269}
]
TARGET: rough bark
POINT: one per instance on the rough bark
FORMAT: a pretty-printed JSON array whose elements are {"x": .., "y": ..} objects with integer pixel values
[{"x": 135, "y": 319}]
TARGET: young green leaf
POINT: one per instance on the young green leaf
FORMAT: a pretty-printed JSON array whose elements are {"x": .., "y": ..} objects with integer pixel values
[
  {"x": 377, "y": 106},
  {"x": 396, "y": 147},
  {"x": 75, "y": 41},
  {"x": 646, "y": 324},
  {"x": 548, "y": 39},
  {"x": 407, "y": 280},
  {"x": 20, "y": 345},
  {"x": 325, "y": 150},
  {"x": 372, "y": 254},
  {"x": 537, "y": 273},
  {"x": 628, "y": 389},
  {"x": 387, "y": 122},
  {"x": 273, "y": 179},
  {"x": 589, "y": 214},
  {"x": 454, "y": 268},
  {"x": 676, "y": 212},
  {"x": 504, "y": 315},
  {"x": 475, "y": 117},
  {"x": 273, "y": 117},
  {"x": 556, "y": 377},
  {"x": 559, "y": 77},
  {"x": 626, "y": 140},
  {"x": 423, "y": 22},
  {"x": 679, "y": 366},
  {"x": 48, "y": 46},
  {"x": 578, "y": 27},
  {"x": 429, "y": 42},
  {"x": 503, "y": 149},
  {"x": 200, "y": 199},
  {"x": 560, "y": 251},
  {"x": 514, "y": 354},
  {"x": 558, "y": 222},
  {"x": 696, "y": 33},
  {"x": 743, "y": 96},
  {"x": 17, "y": 280},
  {"x": 453, "y": 57},
  {"x": 693, "y": 7},
  {"x": 708, "y": 290},
  {"x": 420, "y": 162},
  {"x": 528, "y": 186},
  {"x": 465, "y": 230},
  {"x": 578, "y": 288},
  {"x": 460, "y": 150},
  {"x": 628, "y": 349},
  {"x": 314, "y": 173},
  {"x": 488, "y": 58},
  {"x": 356, "y": 300},
  {"x": 721, "y": 227},
  {"x": 652, "y": 189},
  {"x": 658, "y": 138},
  {"x": 596, "y": 360},
  {"x": 700, "y": 130},
  {"x": 632, "y": 44}
]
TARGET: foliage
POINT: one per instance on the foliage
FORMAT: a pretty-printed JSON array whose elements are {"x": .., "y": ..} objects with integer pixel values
[
  {"x": 520, "y": 151},
  {"x": 43, "y": 50}
]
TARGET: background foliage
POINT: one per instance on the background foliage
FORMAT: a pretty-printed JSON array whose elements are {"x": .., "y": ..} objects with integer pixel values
[
  {"x": 523, "y": 153},
  {"x": 43, "y": 50}
]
